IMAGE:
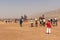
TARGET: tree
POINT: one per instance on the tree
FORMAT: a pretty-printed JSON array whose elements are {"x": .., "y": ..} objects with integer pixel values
[{"x": 25, "y": 17}]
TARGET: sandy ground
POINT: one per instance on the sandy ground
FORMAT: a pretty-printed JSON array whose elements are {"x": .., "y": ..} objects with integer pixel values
[{"x": 12, "y": 31}]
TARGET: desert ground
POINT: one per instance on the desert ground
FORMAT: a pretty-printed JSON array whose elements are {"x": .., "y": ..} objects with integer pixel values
[{"x": 13, "y": 31}]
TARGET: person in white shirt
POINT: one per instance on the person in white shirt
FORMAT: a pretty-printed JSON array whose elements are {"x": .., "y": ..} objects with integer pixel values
[
  {"x": 44, "y": 22},
  {"x": 31, "y": 23},
  {"x": 36, "y": 22},
  {"x": 56, "y": 21}
]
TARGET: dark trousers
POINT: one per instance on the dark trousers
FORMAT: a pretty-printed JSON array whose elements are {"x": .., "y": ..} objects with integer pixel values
[
  {"x": 31, "y": 24},
  {"x": 20, "y": 24},
  {"x": 43, "y": 23}
]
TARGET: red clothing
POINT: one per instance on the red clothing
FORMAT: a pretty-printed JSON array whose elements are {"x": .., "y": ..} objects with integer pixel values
[{"x": 48, "y": 24}]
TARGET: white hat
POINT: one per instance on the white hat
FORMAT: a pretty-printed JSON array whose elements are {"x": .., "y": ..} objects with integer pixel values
[
  {"x": 36, "y": 19},
  {"x": 48, "y": 19},
  {"x": 55, "y": 18}
]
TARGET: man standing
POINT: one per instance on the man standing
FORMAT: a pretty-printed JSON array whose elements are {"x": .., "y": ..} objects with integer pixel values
[
  {"x": 21, "y": 21},
  {"x": 56, "y": 21},
  {"x": 40, "y": 20}
]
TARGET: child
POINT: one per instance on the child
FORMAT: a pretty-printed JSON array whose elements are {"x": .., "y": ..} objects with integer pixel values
[{"x": 48, "y": 24}]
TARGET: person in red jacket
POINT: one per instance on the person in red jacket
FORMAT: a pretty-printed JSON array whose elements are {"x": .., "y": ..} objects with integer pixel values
[{"x": 49, "y": 25}]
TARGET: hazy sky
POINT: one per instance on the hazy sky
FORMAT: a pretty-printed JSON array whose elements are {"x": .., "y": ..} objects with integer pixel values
[{"x": 16, "y": 8}]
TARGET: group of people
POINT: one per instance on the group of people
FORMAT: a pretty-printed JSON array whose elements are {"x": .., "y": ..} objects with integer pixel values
[
  {"x": 50, "y": 23},
  {"x": 54, "y": 21},
  {"x": 32, "y": 22},
  {"x": 42, "y": 22}
]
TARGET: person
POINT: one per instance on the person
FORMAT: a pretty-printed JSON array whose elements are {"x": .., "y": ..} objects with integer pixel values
[
  {"x": 56, "y": 21},
  {"x": 44, "y": 22},
  {"x": 15, "y": 20},
  {"x": 51, "y": 20},
  {"x": 31, "y": 23},
  {"x": 36, "y": 22},
  {"x": 21, "y": 21},
  {"x": 40, "y": 20},
  {"x": 6, "y": 21},
  {"x": 49, "y": 25}
]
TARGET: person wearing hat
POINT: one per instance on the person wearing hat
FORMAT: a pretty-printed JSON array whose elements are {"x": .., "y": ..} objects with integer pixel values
[
  {"x": 36, "y": 22},
  {"x": 31, "y": 22},
  {"x": 49, "y": 25},
  {"x": 55, "y": 22}
]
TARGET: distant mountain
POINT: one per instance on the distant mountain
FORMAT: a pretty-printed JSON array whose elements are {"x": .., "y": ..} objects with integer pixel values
[
  {"x": 53, "y": 14},
  {"x": 50, "y": 14}
]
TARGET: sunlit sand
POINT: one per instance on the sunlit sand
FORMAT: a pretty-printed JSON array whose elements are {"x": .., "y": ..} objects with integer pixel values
[{"x": 13, "y": 31}]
